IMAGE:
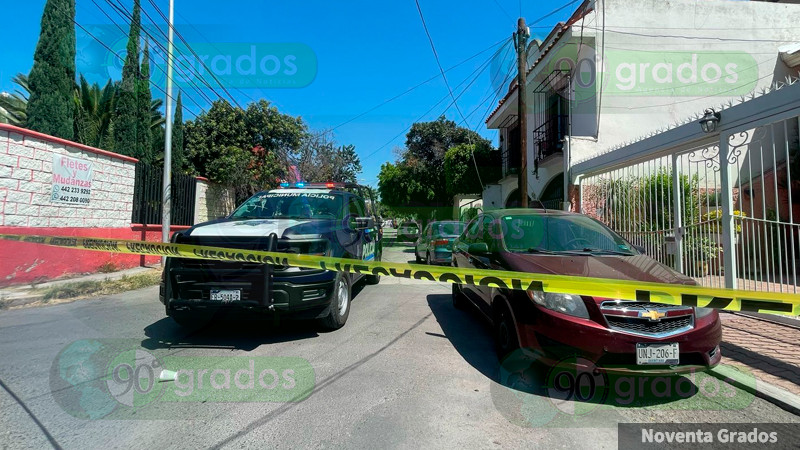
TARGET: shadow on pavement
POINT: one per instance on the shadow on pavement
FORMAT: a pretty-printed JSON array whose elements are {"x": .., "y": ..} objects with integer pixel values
[
  {"x": 234, "y": 331},
  {"x": 228, "y": 333},
  {"x": 468, "y": 333},
  {"x": 471, "y": 336}
]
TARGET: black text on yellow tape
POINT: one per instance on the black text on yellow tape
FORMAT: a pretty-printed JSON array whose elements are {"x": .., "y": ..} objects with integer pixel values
[{"x": 723, "y": 299}]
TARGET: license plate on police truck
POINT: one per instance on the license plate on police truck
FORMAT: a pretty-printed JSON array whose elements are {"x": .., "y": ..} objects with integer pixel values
[
  {"x": 226, "y": 295},
  {"x": 657, "y": 353}
]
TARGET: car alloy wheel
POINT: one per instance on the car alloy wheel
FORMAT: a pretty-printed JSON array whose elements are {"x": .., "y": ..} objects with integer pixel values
[
  {"x": 506, "y": 340},
  {"x": 339, "y": 308},
  {"x": 342, "y": 296}
]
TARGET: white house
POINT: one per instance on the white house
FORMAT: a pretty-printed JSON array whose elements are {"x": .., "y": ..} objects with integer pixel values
[{"x": 618, "y": 69}]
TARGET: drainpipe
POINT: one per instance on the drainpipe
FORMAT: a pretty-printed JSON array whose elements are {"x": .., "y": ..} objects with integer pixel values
[{"x": 568, "y": 143}]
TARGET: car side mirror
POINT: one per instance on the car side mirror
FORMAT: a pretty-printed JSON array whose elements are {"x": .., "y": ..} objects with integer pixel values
[
  {"x": 478, "y": 248},
  {"x": 362, "y": 223}
]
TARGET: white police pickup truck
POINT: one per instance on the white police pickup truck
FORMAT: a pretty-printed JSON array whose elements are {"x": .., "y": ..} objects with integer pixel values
[{"x": 330, "y": 219}]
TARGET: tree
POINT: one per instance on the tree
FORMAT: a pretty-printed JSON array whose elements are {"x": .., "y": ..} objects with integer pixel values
[
  {"x": 220, "y": 140},
  {"x": 321, "y": 159},
  {"x": 178, "y": 151},
  {"x": 232, "y": 168},
  {"x": 404, "y": 191},
  {"x": 460, "y": 172},
  {"x": 52, "y": 78},
  {"x": 94, "y": 109},
  {"x": 270, "y": 129},
  {"x": 415, "y": 184},
  {"x": 14, "y": 106},
  {"x": 144, "y": 111},
  {"x": 126, "y": 123},
  {"x": 206, "y": 136},
  {"x": 429, "y": 141}
]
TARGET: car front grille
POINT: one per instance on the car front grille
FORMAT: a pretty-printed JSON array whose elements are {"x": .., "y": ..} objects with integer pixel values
[
  {"x": 639, "y": 305},
  {"x": 624, "y": 316},
  {"x": 646, "y": 327}
]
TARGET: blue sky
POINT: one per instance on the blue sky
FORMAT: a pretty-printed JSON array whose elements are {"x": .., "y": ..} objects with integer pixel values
[{"x": 366, "y": 52}]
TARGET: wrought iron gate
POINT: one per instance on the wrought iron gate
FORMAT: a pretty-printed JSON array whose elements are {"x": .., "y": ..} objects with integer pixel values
[
  {"x": 721, "y": 207},
  {"x": 147, "y": 195}
]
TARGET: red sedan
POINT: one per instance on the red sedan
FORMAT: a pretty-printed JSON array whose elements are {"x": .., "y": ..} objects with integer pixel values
[{"x": 614, "y": 335}]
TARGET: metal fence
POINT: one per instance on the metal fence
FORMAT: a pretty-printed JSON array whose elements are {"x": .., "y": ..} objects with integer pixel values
[
  {"x": 147, "y": 195},
  {"x": 721, "y": 207}
]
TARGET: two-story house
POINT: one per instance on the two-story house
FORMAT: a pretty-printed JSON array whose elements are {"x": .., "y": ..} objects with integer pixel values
[{"x": 618, "y": 69}]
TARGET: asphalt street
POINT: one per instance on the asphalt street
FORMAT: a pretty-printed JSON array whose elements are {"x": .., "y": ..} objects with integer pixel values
[{"x": 407, "y": 370}]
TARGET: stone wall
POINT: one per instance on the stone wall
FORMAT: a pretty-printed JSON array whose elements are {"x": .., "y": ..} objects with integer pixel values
[
  {"x": 26, "y": 184},
  {"x": 212, "y": 201}
]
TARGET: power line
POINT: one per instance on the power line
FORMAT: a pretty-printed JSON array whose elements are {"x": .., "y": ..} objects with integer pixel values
[
  {"x": 444, "y": 77},
  {"x": 425, "y": 114},
  {"x": 504, "y": 10},
  {"x": 215, "y": 48},
  {"x": 66, "y": 14},
  {"x": 362, "y": 114},
  {"x": 180, "y": 36},
  {"x": 155, "y": 42},
  {"x": 506, "y": 78},
  {"x": 284, "y": 155},
  {"x": 476, "y": 74},
  {"x": 552, "y": 12},
  {"x": 185, "y": 66}
]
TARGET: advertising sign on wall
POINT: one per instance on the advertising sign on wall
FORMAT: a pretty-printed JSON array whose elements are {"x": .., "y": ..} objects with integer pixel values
[{"x": 72, "y": 180}]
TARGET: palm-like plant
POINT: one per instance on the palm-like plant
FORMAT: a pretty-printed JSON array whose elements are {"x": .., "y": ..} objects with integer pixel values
[
  {"x": 156, "y": 118},
  {"x": 14, "y": 106},
  {"x": 94, "y": 111}
]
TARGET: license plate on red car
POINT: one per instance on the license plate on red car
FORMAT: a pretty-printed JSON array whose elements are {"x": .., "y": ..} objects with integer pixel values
[{"x": 666, "y": 353}]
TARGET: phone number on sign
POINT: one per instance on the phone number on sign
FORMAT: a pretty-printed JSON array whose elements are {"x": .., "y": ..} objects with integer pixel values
[
  {"x": 66, "y": 198},
  {"x": 74, "y": 190}
]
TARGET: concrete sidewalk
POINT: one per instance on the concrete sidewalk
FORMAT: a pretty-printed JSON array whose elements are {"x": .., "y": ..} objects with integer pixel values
[{"x": 26, "y": 293}]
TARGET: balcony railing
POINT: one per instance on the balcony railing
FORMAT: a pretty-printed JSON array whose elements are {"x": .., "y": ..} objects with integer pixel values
[{"x": 548, "y": 138}]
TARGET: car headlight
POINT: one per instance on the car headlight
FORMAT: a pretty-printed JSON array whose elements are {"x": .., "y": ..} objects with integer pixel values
[
  {"x": 564, "y": 303},
  {"x": 702, "y": 312}
]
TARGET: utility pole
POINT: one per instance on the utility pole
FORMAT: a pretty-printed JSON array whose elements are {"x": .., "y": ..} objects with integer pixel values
[
  {"x": 521, "y": 38},
  {"x": 166, "y": 199}
]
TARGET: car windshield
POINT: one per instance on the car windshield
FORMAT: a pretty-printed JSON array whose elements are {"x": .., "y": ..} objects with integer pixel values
[
  {"x": 302, "y": 205},
  {"x": 561, "y": 234},
  {"x": 441, "y": 229}
]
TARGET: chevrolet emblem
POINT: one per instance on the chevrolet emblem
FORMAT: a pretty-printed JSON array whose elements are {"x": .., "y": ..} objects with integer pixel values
[{"x": 653, "y": 315}]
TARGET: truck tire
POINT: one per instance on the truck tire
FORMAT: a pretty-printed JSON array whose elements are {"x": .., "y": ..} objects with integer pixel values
[
  {"x": 505, "y": 332},
  {"x": 339, "y": 308}
]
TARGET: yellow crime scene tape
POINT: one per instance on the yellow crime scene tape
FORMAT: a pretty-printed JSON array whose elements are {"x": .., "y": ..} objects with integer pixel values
[{"x": 675, "y": 294}]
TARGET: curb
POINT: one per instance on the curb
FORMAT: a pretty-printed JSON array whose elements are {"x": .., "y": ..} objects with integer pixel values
[{"x": 773, "y": 394}]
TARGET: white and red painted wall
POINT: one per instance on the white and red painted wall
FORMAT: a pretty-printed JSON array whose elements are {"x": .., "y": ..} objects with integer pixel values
[{"x": 27, "y": 207}]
